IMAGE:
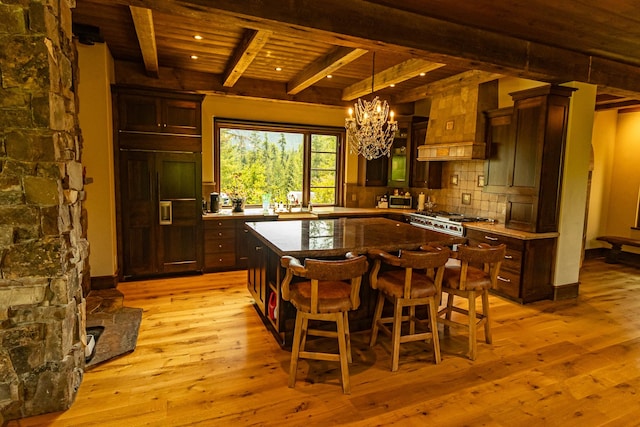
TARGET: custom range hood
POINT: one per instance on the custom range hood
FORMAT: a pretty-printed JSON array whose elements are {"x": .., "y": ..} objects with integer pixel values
[{"x": 456, "y": 128}]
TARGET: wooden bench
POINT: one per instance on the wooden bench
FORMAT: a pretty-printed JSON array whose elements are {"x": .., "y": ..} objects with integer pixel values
[{"x": 616, "y": 243}]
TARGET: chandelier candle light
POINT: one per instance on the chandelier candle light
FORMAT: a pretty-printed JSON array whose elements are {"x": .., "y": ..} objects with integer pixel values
[{"x": 370, "y": 133}]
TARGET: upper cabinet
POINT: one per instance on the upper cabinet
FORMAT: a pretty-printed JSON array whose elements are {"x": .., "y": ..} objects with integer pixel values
[
  {"x": 143, "y": 115},
  {"x": 399, "y": 156},
  {"x": 424, "y": 174},
  {"x": 527, "y": 148},
  {"x": 500, "y": 144}
]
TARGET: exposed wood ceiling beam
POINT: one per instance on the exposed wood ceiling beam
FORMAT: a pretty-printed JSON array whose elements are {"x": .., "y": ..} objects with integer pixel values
[
  {"x": 617, "y": 103},
  {"x": 143, "y": 22},
  {"x": 473, "y": 77},
  {"x": 317, "y": 70},
  {"x": 245, "y": 53},
  {"x": 128, "y": 73},
  {"x": 396, "y": 74},
  {"x": 360, "y": 23}
]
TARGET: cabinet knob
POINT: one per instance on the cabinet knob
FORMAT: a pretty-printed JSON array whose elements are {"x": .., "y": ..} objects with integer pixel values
[
  {"x": 258, "y": 248},
  {"x": 220, "y": 234},
  {"x": 220, "y": 246},
  {"x": 220, "y": 223}
]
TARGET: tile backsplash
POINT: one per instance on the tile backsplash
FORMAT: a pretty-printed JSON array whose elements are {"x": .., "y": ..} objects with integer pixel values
[{"x": 460, "y": 192}]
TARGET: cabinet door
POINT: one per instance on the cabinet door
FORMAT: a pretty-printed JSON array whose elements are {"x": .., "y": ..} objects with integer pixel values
[
  {"x": 139, "y": 113},
  {"x": 423, "y": 174},
  {"x": 376, "y": 171},
  {"x": 500, "y": 144},
  {"x": 139, "y": 213},
  {"x": 181, "y": 117},
  {"x": 399, "y": 156},
  {"x": 256, "y": 272},
  {"x": 179, "y": 186}
]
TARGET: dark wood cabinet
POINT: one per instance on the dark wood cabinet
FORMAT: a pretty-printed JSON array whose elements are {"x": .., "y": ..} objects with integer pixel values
[
  {"x": 158, "y": 156},
  {"x": 500, "y": 145},
  {"x": 226, "y": 244},
  {"x": 540, "y": 119},
  {"x": 526, "y": 272},
  {"x": 257, "y": 272},
  {"x": 219, "y": 244},
  {"x": 140, "y": 111},
  {"x": 398, "y": 161},
  {"x": 373, "y": 172},
  {"x": 160, "y": 212},
  {"x": 526, "y": 146},
  {"x": 423, "y": 174}
]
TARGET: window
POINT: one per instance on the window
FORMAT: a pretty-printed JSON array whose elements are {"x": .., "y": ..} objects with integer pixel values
[{"x": 285, "y": 163}]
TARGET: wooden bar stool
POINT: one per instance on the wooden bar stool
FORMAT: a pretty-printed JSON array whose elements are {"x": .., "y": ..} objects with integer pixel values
[
  {"x": 468, "y": 281},
  {"x": 331, "y": 291},
  {"x": 416, "y": 283}
]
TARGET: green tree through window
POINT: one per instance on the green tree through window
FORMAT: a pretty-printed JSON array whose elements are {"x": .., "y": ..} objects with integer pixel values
[{"x": 299, "y": 166}]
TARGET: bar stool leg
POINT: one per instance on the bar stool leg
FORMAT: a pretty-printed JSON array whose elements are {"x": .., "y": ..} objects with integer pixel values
[
  {"x": 472, "y": 325},
  {"x": 487, "y": 317},
  {"x": 348, "y": 336},
  {"x": 395, "y": 339},
  {"x": 376, "y": 317},
  {"x": 433, "y": 322},
  {"x": 342, "y": 346},
  {"x": 295, "y": 350}
]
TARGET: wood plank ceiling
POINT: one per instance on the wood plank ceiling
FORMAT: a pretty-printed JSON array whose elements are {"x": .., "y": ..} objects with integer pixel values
[{"x": 288, "y": 50}]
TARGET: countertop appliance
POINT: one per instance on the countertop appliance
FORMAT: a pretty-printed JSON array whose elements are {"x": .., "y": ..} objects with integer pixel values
[
  {"x": 444, "y": 222},
  {"x": 400, "y": 202}
]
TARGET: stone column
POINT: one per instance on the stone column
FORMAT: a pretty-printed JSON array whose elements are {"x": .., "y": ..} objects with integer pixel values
[{"x": 43, "y": 249}]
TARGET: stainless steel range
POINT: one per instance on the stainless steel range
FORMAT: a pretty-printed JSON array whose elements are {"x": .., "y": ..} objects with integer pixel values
[{"x": 444, "y": 222}]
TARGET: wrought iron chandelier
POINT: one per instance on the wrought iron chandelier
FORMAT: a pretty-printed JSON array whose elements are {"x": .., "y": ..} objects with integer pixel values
[{"x": 371, "y": 132}]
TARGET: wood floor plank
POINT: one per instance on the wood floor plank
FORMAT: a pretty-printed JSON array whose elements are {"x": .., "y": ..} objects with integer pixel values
[{"x": 204, "y": 358}]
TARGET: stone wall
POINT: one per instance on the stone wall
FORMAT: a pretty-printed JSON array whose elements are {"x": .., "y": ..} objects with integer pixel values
[{"x": 43, "y": 250}]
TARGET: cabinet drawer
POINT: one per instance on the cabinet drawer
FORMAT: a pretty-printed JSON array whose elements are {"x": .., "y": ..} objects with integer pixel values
[
  {"x": 495, "y": 239},
  {"x": 217, "y": 246},
  {"x": 512, "y": 261},
  {"x": 508, "y": 283},
  {"x": 213, "y": 235},
  {"x": 211, "y": 225},
  {"x": 223, "y": 259}
]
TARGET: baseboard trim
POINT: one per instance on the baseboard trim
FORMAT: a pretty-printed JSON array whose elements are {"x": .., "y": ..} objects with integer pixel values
[
  {"x": 104, "y": 282},
  {"x": 564, "y": 292}
]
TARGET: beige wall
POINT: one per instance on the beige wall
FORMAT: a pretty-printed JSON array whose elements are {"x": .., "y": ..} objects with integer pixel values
[
  {"x": 616, "y": 177},
  {"x": 573, "y": 199},
  {"x": 603, "y": 147},
  {"x": 96, "y": 76}
]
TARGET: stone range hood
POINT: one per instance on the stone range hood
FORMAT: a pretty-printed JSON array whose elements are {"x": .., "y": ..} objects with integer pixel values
[{"x": 456, "y": 128}]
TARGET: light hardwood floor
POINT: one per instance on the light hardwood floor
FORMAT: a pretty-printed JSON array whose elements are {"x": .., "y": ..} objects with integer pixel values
[{"x": 204, "y": 358}]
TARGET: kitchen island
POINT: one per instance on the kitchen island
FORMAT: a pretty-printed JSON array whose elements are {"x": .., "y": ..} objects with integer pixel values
[{"x": 326, "y": 239}]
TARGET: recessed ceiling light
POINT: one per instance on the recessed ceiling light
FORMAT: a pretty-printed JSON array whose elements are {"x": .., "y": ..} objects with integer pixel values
[
  {"x": 194, "y": 56},
  {"x": 423, "y": 74},
  {"x": 329, "y": 76},
  {"x": 392, "y": 85},
  {"x": 197, "y": 37},
  {"x": 278, "y": 68}
]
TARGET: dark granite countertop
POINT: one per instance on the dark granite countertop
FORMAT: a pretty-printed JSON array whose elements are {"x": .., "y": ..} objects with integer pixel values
[{"x": 335, "y": 237}]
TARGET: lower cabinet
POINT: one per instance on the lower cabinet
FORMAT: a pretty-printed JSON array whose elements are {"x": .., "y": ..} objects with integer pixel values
[
  {"x": 225, "y": 243},
  {"x": 219, "y": 244},
  {"x": 526, "y": 273}
]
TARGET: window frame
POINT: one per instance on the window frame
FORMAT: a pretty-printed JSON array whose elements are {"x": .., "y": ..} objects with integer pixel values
[{"x": 307, "y": 131}]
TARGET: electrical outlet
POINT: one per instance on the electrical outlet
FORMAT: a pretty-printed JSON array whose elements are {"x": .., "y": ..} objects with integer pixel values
[{"x": 354, "y": 197}]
